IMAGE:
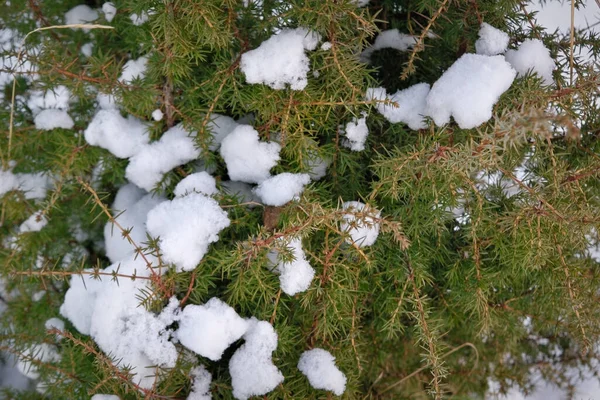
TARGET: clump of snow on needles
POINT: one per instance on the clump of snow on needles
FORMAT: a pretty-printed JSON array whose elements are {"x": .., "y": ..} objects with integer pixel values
[
  {"x": 247, "y": 158},
  {"x": 41, "y": 353},
  {"x": 134, "y": 69},
  {"x": 319, "y": 367},
  {"x": 109, "y": 311},
  {"x": 469, "y": 89},
  {"x": 356, "y": 134},
  {"x": 210, "y": 329},
  {"x": 391, "y": 38},
  {"x": 201, "y": 380},
  {"x": 123, "y": 137},
  {"x": 491, "y": 41},
  {"x": 109, "y": 11},
  {"x": 186, "y": 226},
  {"x": 532, "y": 56},
  {"x": 281, "y": 189},
  {"x": 175, "y": 147},
  {"x": 360, "y": 222},
  {"x": 219, "y": 126},
  {"x": 105, "y": 397},
  {"x": 295, "y": 275},
  {"x": 34, "y": 223},
  {"x": 281, "y": 59},
  {"x": 34, "y": 186},
  {"x": 411, "y": 105},
  {"x": 251, "y": 368},
  {"x": 52, "y": 119},
  {"x": 81, "y": 14},
  {"x": 56, "y": 98},
  {"x": 199, "y": 182}
]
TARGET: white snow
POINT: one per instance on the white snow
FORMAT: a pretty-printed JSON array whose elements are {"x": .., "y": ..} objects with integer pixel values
[
  {"x": 317, "y": 167},
  {"x": 281, "y": 59},
  {"x": 33, "y": 186},
  {"x": 139, "y": 19},
  {"x": 251, "y": 368},
  {"x": 491, "y": 41},
  {"x": 157, "y": 115},
  {"x": 391, "y": 38},
  {"x": 295, "y": 276},
  {"x": 186, "y": 227},
  {"x": 326, "y": 46},
  {"x": 55, "y": 98},
  {"x": 319, "y": 367},
  {"x": 360, "y": 223},
  {"x": 175, "y": 147},
  {"x": 201, "y": 380},
  {"x": 209, "y": 329},
  {"x": 356, "y": 134},
  {"x": 109, "y": 311},
  {"x": 199, "y": 182},
  {"x": 44, "y": 353},
  {"x": 123, "y": 137},
  {"x": 55, "y": 323},
  {"x": 469, "y": 89},
  {"x": 220, "y": 126},
  {"x": 411, "y": 105},
  {"x": 130, "y": 209},
  {"x": 134, "y": 69},
  {"x": 361, "y": 3},
  {"x": 247, "y": 158},
  {"x": 106, "y": 101},
  {"x": 532, "y": 56},
  {"x": 281, "y": 189},
  {"x": 87, "y": 49},
  {"x": 80, "y": 14},
  {"x": 52, "y": 119},
  {"x": 109, "y": 11},
  {"x": 105, "y": 397},
  {"x": 34, "y": 223}
]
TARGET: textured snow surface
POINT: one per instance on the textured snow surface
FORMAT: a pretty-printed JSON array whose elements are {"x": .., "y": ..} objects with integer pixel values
[
  {"x": 295, "y": 276},
  {"x": 186, "y": 227},
  {"x": 199, "y": 182},
  {"x": 175, "y": 147},
  {"x": 123, "y": 137},
  {"x": 52, "y": 119},
  {"x": 209, "y": 329},
  {"x": 130, "y": 208},
  {"x": 109, "y": 11},
  {"x": 134, "y": 69},
  {"x": 80, "y": 14},
  {"x": 34, "y": 223},
  {"x": 391, "y": 38},
  {"x": 55, "y": 98},
  {"x": 281, "y": 189},
  {"x": 109, "y": 311},
  {"x": 469, "y": 89},
  {"x": 281, "y": 59},
  {"x": 360, "y": 223},
  {"x": 532, "y": 56},
  {"x": 139, "y": 19},
  {"x": 319, "y": 367},
  {"x": 252, "y": 370},
  {"x": 201, "y": 380},
  {"x": 411, "y": 105},
  {"x": 34, "y": 186},
  {"x": 491, "y": 41},
  {"x": 247, "y": 158},
  {"x": 356, "y": 134}
]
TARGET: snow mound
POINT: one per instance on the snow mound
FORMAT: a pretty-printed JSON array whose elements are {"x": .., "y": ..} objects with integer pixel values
[
  {"x": 360, "y": 223},
  {"x": 411, "y": 105},
  {"x": 186, "y": 227},
  {"x": 134, "y": 69},
  {"x": 209, "y": 329},
  {"x": 201, "y": 380},
  {"x": 55, "y": 98},
  {"x": 491, "y": 41},
  {"x": 247, "y": 158},
  {"x": 281, "y": 59},
  {"x": 199, "y": 182},
  {"x": 123, "y": 137},
  {"x": 469, "y": 89},
  {"x": 252, "y": 370},
  {"x": 391, "y": 38},
  {"x": 356, "y": 134},
  {"x": 281, "y": 189},
  {"x": 319, "y": 367},
  {"x": 532, "y": 56},
  {"x": 294, "y": 276},
  {"x": 147, "y": 167},
  {"x": 52, "y": 119}
]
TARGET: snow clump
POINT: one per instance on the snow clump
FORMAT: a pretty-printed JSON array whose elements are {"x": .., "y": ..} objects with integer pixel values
[
  {"x": 81, "y": 14},
  {"x": 281, "y": 59},
  {"x": 220, "y": 126},
  {"x": 123, "y": 137},
  {"x": 391, "y": 38},
  {"x": 469, "y": 89},
  {"x": 532, "y": 56},
  {"x": 209, "y": 329},
  {"x": 34, "y": 223},
  {"x": 296, "y": 275},
  {"x": 360, "y": 223},
  {"x": 319, "y": 367},
  {"x": 42, "y": 353},
  {"x": 199, "y": 182},
  {"x": 186, "y": 226},
  {"x": 247, "y": 158},
  {"x": 51, "y": 119},
  {"x": 491, "y": 41},
  {"x": 105, "y": 397},
  {"x": 34, "y": 186},
  {"x": 109, "y": 11},
  {"x": 281, "y": 189},
  {"x": 201, "y": 380},
  {"x": 356, "y": 134},
  {"x": 157, "y": 115},
  {"x": 411, "y": 105},
  {"x": 134, "y": 69},
  {"x": 251, "y": 368}
]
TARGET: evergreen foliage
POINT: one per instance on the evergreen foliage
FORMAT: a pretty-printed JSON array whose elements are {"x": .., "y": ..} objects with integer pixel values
[{"x": 433, "y": 309}]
